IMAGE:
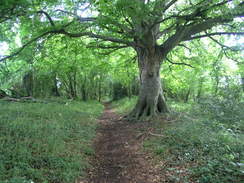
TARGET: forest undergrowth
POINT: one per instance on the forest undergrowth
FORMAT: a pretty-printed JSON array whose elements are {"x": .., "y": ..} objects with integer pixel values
[
  {"x": 46, "y": 142},
  {"x": 203, "y": 141},
  {"x": 51, "y": 142}
]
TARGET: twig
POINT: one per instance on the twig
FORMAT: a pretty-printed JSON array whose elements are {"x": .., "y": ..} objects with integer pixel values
[
  {"x": 215, "y": 34},
  {"x": 157, "y": 135},
  {"x": 179, "y": 63},
  {"x": 224, "y": 46}
]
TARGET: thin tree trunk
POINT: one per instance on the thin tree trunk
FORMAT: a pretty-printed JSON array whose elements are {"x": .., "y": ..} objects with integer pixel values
[
  {"x": 28, "y": 83},
  {"x": 72, "y": 86},
  {"x": 187, "y": 95},
  {"x": 99, "y": 90},
  {"x": 55, "y": 91},
  {"x": 242, "y": 83},
  {"x": 199, "y": 92},
  {"x": 83, "y": 90}
]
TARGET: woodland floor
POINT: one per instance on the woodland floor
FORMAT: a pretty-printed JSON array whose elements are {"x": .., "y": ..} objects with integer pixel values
[{"x": 118, "y": 153}]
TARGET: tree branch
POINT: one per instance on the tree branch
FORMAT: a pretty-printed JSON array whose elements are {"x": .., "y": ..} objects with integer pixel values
[
  {"x": 204, "y": 6},
  {"x": 62, "y": 31},
  {"x": 182, "y": 45},
  {"x": 185, "y": 32},
  {"x": 113, "y": 50},
  {"x": 179, "y": 63},
  {"x": 224, "y": 46},
  {"x": 92, "y": 35},
  {"x": 214, "y": 34},
  {"x": 48, "y": 17},
  {"x": 198, "y": 12},
  {"x": 165, "y": 31},
  {"x": 211, "y": 22},
  {"x": 107, "y": 47},
  {"x": 81, "y": 19},
  {"x": 23, "y": 47},
  {"x": 227, "y": 56},
  {"x": 172, "y": 41},
  {"x": 169, "y": 5}
]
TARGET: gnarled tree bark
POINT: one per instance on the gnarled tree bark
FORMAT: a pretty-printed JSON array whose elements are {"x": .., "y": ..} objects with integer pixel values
[{"x": 151, "y": 100}]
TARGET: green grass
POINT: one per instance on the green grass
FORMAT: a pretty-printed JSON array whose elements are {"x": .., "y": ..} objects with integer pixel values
[
  {"x": 205, "y": 143},
  {"x": 214, "y": 154},
  {"x": 124, "y": 105},
  {"x": 46, "y": 143}
]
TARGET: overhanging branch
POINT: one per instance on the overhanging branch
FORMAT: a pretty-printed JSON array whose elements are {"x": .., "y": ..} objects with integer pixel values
[
  {"x": 81, "y": 19},
  {"x": 75, "y": 35},
  {"x": 215, "y": 34},
  {"x": 182, "y": 45},
  {"x": 107, "y": 47},
  {"x": 112, "y": 50},
  {"x": 48, "y": 16},
  {"x": 92, "y": 35},
  {"x": 196, "y": 28},
  {"x": 224, "y": 46},
  {"x": 169, "y": 5},
  {"x": 23, "y": 47},
  {"x": 227, "y": 56},
  {"x": 179, "y": 63},
  {"x": 187, "y": 32}
]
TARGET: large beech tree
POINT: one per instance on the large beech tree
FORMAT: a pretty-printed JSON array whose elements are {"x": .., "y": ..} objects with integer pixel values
[{"x": 153, "y": 28}]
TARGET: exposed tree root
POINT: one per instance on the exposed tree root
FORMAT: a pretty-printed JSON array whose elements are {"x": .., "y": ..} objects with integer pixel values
[{"x": 148, "y": 109}]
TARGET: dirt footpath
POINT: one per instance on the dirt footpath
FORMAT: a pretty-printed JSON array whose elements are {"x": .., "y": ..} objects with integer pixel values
[{"x": 118, "y": 157}]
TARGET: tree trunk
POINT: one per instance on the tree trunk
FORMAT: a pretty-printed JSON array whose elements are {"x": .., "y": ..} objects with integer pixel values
[
  {"x": 72, "y": 86},
  {"x": 199, "y": 92},
  {"x": 28, "y": 83},
  {"x": 100, "y": 90},
  {"x": 242, "y": 83},
  {"x": 84, "y": 90},
  {"x": 187, "y": 95},
  {"x": 151, "y": 101},
  {"x": 55, "y": 91}
]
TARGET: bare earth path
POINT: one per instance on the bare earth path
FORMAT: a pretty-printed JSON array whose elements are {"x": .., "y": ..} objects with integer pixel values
[{"x": 119, "y": 158}]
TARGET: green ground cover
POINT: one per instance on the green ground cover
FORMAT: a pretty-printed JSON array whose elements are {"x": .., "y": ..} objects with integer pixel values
[
  {"x": 46, "y": 142},
  {"x": 204, "y": 142}
]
